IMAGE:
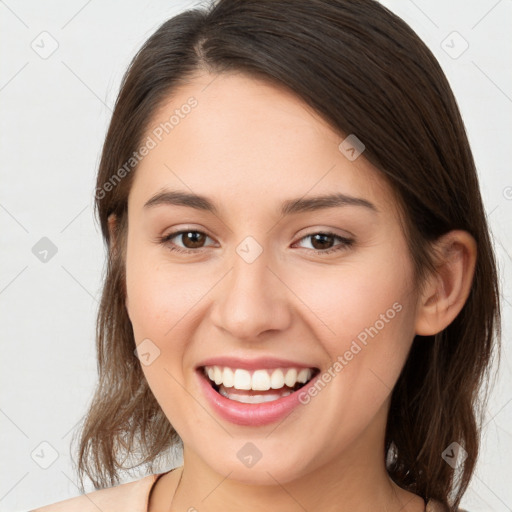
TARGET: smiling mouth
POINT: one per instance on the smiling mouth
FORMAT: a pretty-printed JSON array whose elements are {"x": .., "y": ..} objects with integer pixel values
[{"x": 257, "y": 386}]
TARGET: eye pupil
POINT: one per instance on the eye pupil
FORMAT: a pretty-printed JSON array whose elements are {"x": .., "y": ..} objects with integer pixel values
[
  {"x": 193, "y": 237},
  {"x": 322, "y": 242}
]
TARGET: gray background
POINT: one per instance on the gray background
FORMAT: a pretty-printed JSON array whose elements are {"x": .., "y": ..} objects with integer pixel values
[{"x": 55, "y": 110}]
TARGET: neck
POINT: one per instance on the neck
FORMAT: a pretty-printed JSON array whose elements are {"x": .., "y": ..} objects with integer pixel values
[
  {"x": 342, "y": 487},
  {"x": 355, "y": 480},
  {"x": 319, "y": 493}
]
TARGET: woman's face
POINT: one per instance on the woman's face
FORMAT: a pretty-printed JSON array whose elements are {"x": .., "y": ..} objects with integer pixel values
[{"x": 273, "y": 278}]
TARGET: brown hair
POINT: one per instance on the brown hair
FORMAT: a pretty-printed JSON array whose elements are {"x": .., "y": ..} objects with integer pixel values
[{"x": 365, "y": 72}]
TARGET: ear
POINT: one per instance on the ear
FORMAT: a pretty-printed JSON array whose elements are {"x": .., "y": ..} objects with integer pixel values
[{"x": 447, "y": 290}]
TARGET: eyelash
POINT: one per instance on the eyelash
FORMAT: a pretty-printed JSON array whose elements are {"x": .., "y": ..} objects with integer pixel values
[{"x": 345, "y": 242}]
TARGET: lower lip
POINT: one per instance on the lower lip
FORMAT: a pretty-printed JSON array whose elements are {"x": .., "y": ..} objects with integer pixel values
[{"x": 251, "y": 414}]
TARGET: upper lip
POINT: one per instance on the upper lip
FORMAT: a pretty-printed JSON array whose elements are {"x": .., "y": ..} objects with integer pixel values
[{"x": 253, "y": 363}]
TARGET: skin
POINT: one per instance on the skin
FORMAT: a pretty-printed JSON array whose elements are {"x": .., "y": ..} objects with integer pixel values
[{"x": 249, "y": 146}]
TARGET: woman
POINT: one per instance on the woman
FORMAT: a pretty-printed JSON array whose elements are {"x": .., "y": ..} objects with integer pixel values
[{"x": 301, "y": 289}]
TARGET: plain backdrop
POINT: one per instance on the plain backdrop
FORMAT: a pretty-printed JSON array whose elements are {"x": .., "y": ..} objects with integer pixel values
[{"x": 60, "y": 68}]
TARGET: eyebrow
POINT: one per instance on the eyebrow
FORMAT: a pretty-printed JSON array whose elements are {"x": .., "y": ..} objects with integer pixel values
[{"x": 289, "y": 207}]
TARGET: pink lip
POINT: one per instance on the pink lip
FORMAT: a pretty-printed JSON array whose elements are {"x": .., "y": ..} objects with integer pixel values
[
  {"x": 252, "y": 364},
  {"x": 251, "y": 414}
]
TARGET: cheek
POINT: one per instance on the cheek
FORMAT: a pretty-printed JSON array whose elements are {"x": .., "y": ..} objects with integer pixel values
[
  {"x": 351, "y": 297},
  {"x": 161, "y": 301},
  {"x": 364, "y": 318},
  {"x": 158, "y": 295}
]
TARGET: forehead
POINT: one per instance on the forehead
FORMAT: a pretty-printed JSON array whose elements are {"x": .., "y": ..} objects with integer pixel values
[{"x": 250, "y": 143}]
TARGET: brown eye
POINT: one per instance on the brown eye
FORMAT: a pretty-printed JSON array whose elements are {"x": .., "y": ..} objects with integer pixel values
[
  {"x": 189, "y": 239},
  {"x": 192, "y": 239},
  {"x": 322, "y": 241}
]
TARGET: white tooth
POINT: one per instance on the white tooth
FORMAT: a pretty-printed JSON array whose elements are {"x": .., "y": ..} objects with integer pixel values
[
  {"x": 245, "y": 399},
  {"x": 242, "y": 379},
  {"x": 260, "y": 399},
  {"x": 266, "y": 398},
  {"x": 217, "y": 373},
  {"x": 304, "y": 375},
  {"x": 227, "y": 377},
  {"x": 260, "y": 380},
  {"x": 291, "y": 377},
  {"x": 252, "y": 399},
  {"x": 277, "y": 379}
]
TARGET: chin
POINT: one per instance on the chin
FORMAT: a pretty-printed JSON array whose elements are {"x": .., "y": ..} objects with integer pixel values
[{"x": 272, "y": 468}]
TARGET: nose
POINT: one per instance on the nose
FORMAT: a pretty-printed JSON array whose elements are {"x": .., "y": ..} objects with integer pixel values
[{"x": 251, "y": 300}]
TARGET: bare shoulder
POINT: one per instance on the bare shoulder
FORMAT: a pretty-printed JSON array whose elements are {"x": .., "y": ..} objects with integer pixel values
[{"x": 128, "y": 497}]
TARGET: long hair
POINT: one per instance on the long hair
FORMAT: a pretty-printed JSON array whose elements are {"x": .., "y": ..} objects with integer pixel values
[{"x": 364, "y": 71}]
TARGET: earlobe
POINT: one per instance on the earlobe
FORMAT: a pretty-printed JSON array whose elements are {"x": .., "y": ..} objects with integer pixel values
[{"x": 446, "y": 291}]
